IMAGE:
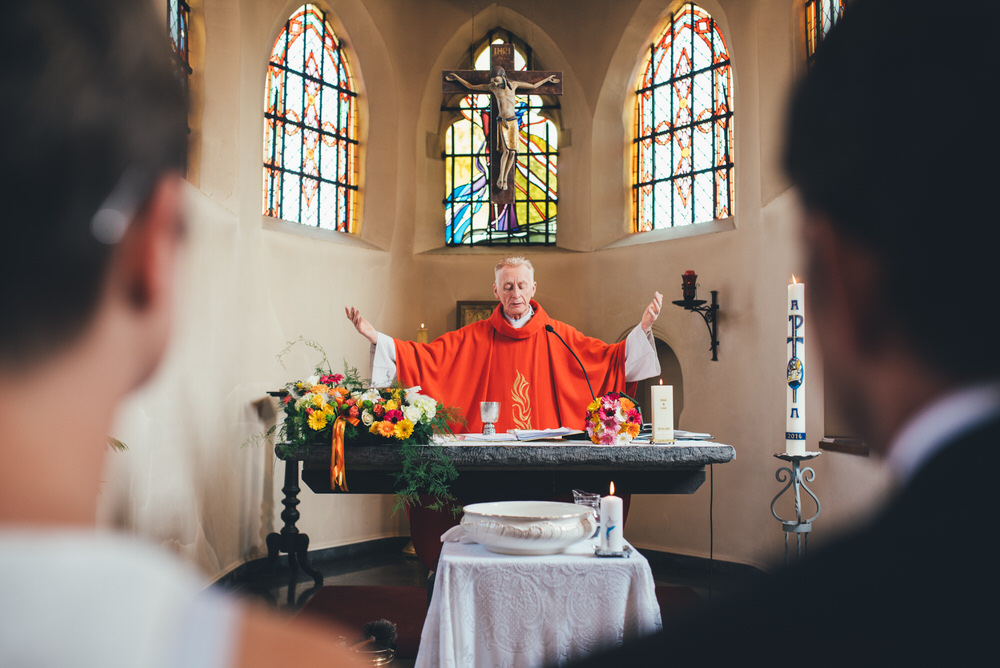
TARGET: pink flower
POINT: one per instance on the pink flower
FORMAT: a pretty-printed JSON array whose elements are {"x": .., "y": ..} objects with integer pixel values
[{"x": 394, "y": 416}]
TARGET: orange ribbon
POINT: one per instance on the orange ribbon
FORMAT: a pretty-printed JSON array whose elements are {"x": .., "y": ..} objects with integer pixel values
[{"x": 338, "y": 476}]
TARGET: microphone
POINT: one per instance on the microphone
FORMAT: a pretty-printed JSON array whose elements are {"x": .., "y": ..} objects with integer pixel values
[{"x": 551, "y": 330}]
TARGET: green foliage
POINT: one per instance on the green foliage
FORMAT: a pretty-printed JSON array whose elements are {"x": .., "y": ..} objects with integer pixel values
[{"x": 427, "y": 470}]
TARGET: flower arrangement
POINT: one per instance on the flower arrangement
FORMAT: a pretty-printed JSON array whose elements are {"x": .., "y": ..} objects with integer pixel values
[
  {"x": 613, "y": 419},
  {"x": 372, "y": 416},
  {"x": 333, "y": 409}
]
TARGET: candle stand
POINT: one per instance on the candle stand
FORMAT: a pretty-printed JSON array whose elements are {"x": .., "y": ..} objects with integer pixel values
[{"x": 796, "y": 478}]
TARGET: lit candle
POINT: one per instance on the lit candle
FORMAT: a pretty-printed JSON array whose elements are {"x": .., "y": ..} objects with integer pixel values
[
  {"x": 795, "y": 414},
  {"x": 662, "y": 402},
  {"x": 612, "y": 518},
  {"x": 422, "y": 334}
]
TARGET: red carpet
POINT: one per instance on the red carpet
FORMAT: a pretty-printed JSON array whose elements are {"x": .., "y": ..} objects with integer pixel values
[{"x": 355, "y": 606}]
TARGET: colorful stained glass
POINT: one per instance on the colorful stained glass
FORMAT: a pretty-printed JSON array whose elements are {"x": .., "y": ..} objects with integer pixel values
[
  {"x": 178, "y": 17},
  {"x": 310, "y": 126},
  {"x": 821, "y": 16},
  {"x": 683, "y": 145},
  {"x": 469, "y": 217}
]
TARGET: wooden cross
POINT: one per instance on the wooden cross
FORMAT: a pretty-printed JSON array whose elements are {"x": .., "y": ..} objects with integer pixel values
[{"x": 501, "y": 55}]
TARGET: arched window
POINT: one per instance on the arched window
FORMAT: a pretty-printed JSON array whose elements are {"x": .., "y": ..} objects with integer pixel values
[
  {"x": 469, "y": 218},
  {"x": 310, "y": 126},
  {"x": 683, "y": 142},
  {"x": 821, "y": 15}
]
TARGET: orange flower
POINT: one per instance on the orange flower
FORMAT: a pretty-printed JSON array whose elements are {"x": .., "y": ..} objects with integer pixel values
[{"x": 386, "y": 428}]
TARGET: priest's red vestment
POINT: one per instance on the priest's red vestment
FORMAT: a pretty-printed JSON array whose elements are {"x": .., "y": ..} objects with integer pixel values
[{"x": 528, "y": 370}]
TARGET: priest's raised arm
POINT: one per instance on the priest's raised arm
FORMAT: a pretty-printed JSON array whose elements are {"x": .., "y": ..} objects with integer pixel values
[{"x": 515, "y": 357}]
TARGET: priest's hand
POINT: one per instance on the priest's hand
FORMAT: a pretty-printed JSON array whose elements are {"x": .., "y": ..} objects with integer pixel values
[
  {"x": 651, "y": 313},
  {"x": 364, "y": 327}
]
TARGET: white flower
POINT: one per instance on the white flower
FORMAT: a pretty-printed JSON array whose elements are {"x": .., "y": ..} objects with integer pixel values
[
  {"x": 427, "y": 405},
  {"x": 312, "y": 380},
  {"x": 413, "y": 414},
  {"x": 367, "y": 418}
]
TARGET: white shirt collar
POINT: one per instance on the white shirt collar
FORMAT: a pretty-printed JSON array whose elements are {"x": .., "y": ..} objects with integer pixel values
[
  {"x": 523, "y": 320},
  {"x": 939, "y": 423}
]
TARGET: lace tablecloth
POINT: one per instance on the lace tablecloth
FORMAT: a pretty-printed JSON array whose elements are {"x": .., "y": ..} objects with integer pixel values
[{"x": 491, "y": 610}]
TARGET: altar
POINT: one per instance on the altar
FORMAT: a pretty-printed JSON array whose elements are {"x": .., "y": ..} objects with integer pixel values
[{"x": 496, "y": 471}]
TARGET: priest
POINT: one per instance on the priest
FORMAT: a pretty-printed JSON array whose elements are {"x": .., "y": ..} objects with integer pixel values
[{"x": 542, "y": 371}]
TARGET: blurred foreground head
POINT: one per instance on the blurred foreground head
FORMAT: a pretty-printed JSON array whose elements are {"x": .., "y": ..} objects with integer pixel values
[
  {"x": 891, "y": 142},
  {"x": 93, "y": 116}
]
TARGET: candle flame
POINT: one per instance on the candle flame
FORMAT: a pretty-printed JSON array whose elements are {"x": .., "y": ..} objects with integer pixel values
[
  {"x": 661, "y": 381},
  {"x": 793, "y": 279},
  {"x": 612, "y": 488},
  {"x": 421, "y": 325}
]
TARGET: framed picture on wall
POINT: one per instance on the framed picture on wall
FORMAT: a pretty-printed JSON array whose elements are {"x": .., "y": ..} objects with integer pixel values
[{"x": 470, "y": 312}]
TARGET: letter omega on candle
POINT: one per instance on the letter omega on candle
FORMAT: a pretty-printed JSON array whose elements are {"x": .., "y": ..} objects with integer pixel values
[{"x": 795, "y": 393}]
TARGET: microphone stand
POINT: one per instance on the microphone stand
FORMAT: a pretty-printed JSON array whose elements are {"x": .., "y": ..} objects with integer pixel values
[{"x": 551, "y": 330}]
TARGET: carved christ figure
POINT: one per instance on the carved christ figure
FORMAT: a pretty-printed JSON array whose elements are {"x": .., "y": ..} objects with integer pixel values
[{"x": 504, "y": 92}]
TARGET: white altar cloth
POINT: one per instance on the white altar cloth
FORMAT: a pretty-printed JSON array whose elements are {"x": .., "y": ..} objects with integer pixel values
[{"x": 490, "y": 610}]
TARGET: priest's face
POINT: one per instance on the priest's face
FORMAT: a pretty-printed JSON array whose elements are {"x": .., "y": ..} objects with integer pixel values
[{"x": 515, "y": 287}]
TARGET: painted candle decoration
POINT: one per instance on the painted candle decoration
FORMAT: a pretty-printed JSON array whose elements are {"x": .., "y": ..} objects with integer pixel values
[
  {"x": 662, "y": 402},
  {"x": 795, "y": 413},
  {"x": 612, "y": 519},
  {"x": 422, "y": 334}
]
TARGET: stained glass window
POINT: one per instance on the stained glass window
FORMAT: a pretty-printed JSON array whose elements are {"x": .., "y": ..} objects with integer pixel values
[
  {"x": 821, "y": 15},
  {"x": 178, "y": 18},
  {"x": 310, "y": 126},
  {"x": 470, "y": 219},
  {"x": 683, "y": 142}
]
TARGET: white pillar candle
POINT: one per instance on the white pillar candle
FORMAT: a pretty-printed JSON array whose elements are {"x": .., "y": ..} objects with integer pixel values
[
  {"x": 612, "y": 519},
  {"x": 662, "y": 403},
  {"x": 795, "y": 391}
]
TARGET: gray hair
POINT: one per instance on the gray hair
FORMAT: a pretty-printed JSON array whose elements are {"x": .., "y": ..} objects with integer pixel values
[{"x": 514, "y": 261}]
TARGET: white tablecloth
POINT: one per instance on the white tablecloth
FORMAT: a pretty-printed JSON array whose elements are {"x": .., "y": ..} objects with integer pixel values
[{"x": 492, "y": 610}]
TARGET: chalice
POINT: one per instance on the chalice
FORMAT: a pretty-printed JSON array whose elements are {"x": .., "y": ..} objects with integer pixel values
[{"x": 489, "y": 412}]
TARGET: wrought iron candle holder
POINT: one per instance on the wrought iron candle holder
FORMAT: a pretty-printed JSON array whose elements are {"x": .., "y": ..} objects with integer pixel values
[
  {"x": 796, "y": 478},
  {"x": 708, "y": 313}
]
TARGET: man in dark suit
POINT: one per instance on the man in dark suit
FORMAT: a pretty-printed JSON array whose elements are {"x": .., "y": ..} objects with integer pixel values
[{"x": 893, "y": 147}]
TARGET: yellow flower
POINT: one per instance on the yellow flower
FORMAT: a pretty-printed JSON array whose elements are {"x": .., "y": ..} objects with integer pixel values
[
  {"x": 593, "y": 406},
  {"x": 317, "y": 420},
  {"x": 320, "y": 389},
  {"x": 404, "y": 428},
  {"x": 391, "y": 405}
]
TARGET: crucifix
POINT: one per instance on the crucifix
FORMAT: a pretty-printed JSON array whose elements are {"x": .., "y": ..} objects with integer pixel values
[{"x": 502, "y": 82}]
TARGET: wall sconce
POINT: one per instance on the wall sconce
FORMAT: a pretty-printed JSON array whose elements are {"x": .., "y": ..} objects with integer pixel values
[{"x": 689, "y": 288}]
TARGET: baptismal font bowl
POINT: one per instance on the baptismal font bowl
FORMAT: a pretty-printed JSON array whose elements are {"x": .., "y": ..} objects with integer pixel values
[{"x": 527, "y": 527}]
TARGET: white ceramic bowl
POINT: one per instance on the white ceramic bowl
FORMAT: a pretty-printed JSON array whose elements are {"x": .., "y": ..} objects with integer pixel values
[{"x": 527, "y": 527}]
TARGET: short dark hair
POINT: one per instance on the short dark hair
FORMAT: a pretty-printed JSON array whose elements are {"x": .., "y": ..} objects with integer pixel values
[
  {"x": 91, "y": 95},
  {"x": 891, "y": 136}
]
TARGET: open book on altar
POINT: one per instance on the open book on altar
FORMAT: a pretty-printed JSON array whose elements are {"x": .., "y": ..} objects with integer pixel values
[{"x": 521, "y": 435}]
